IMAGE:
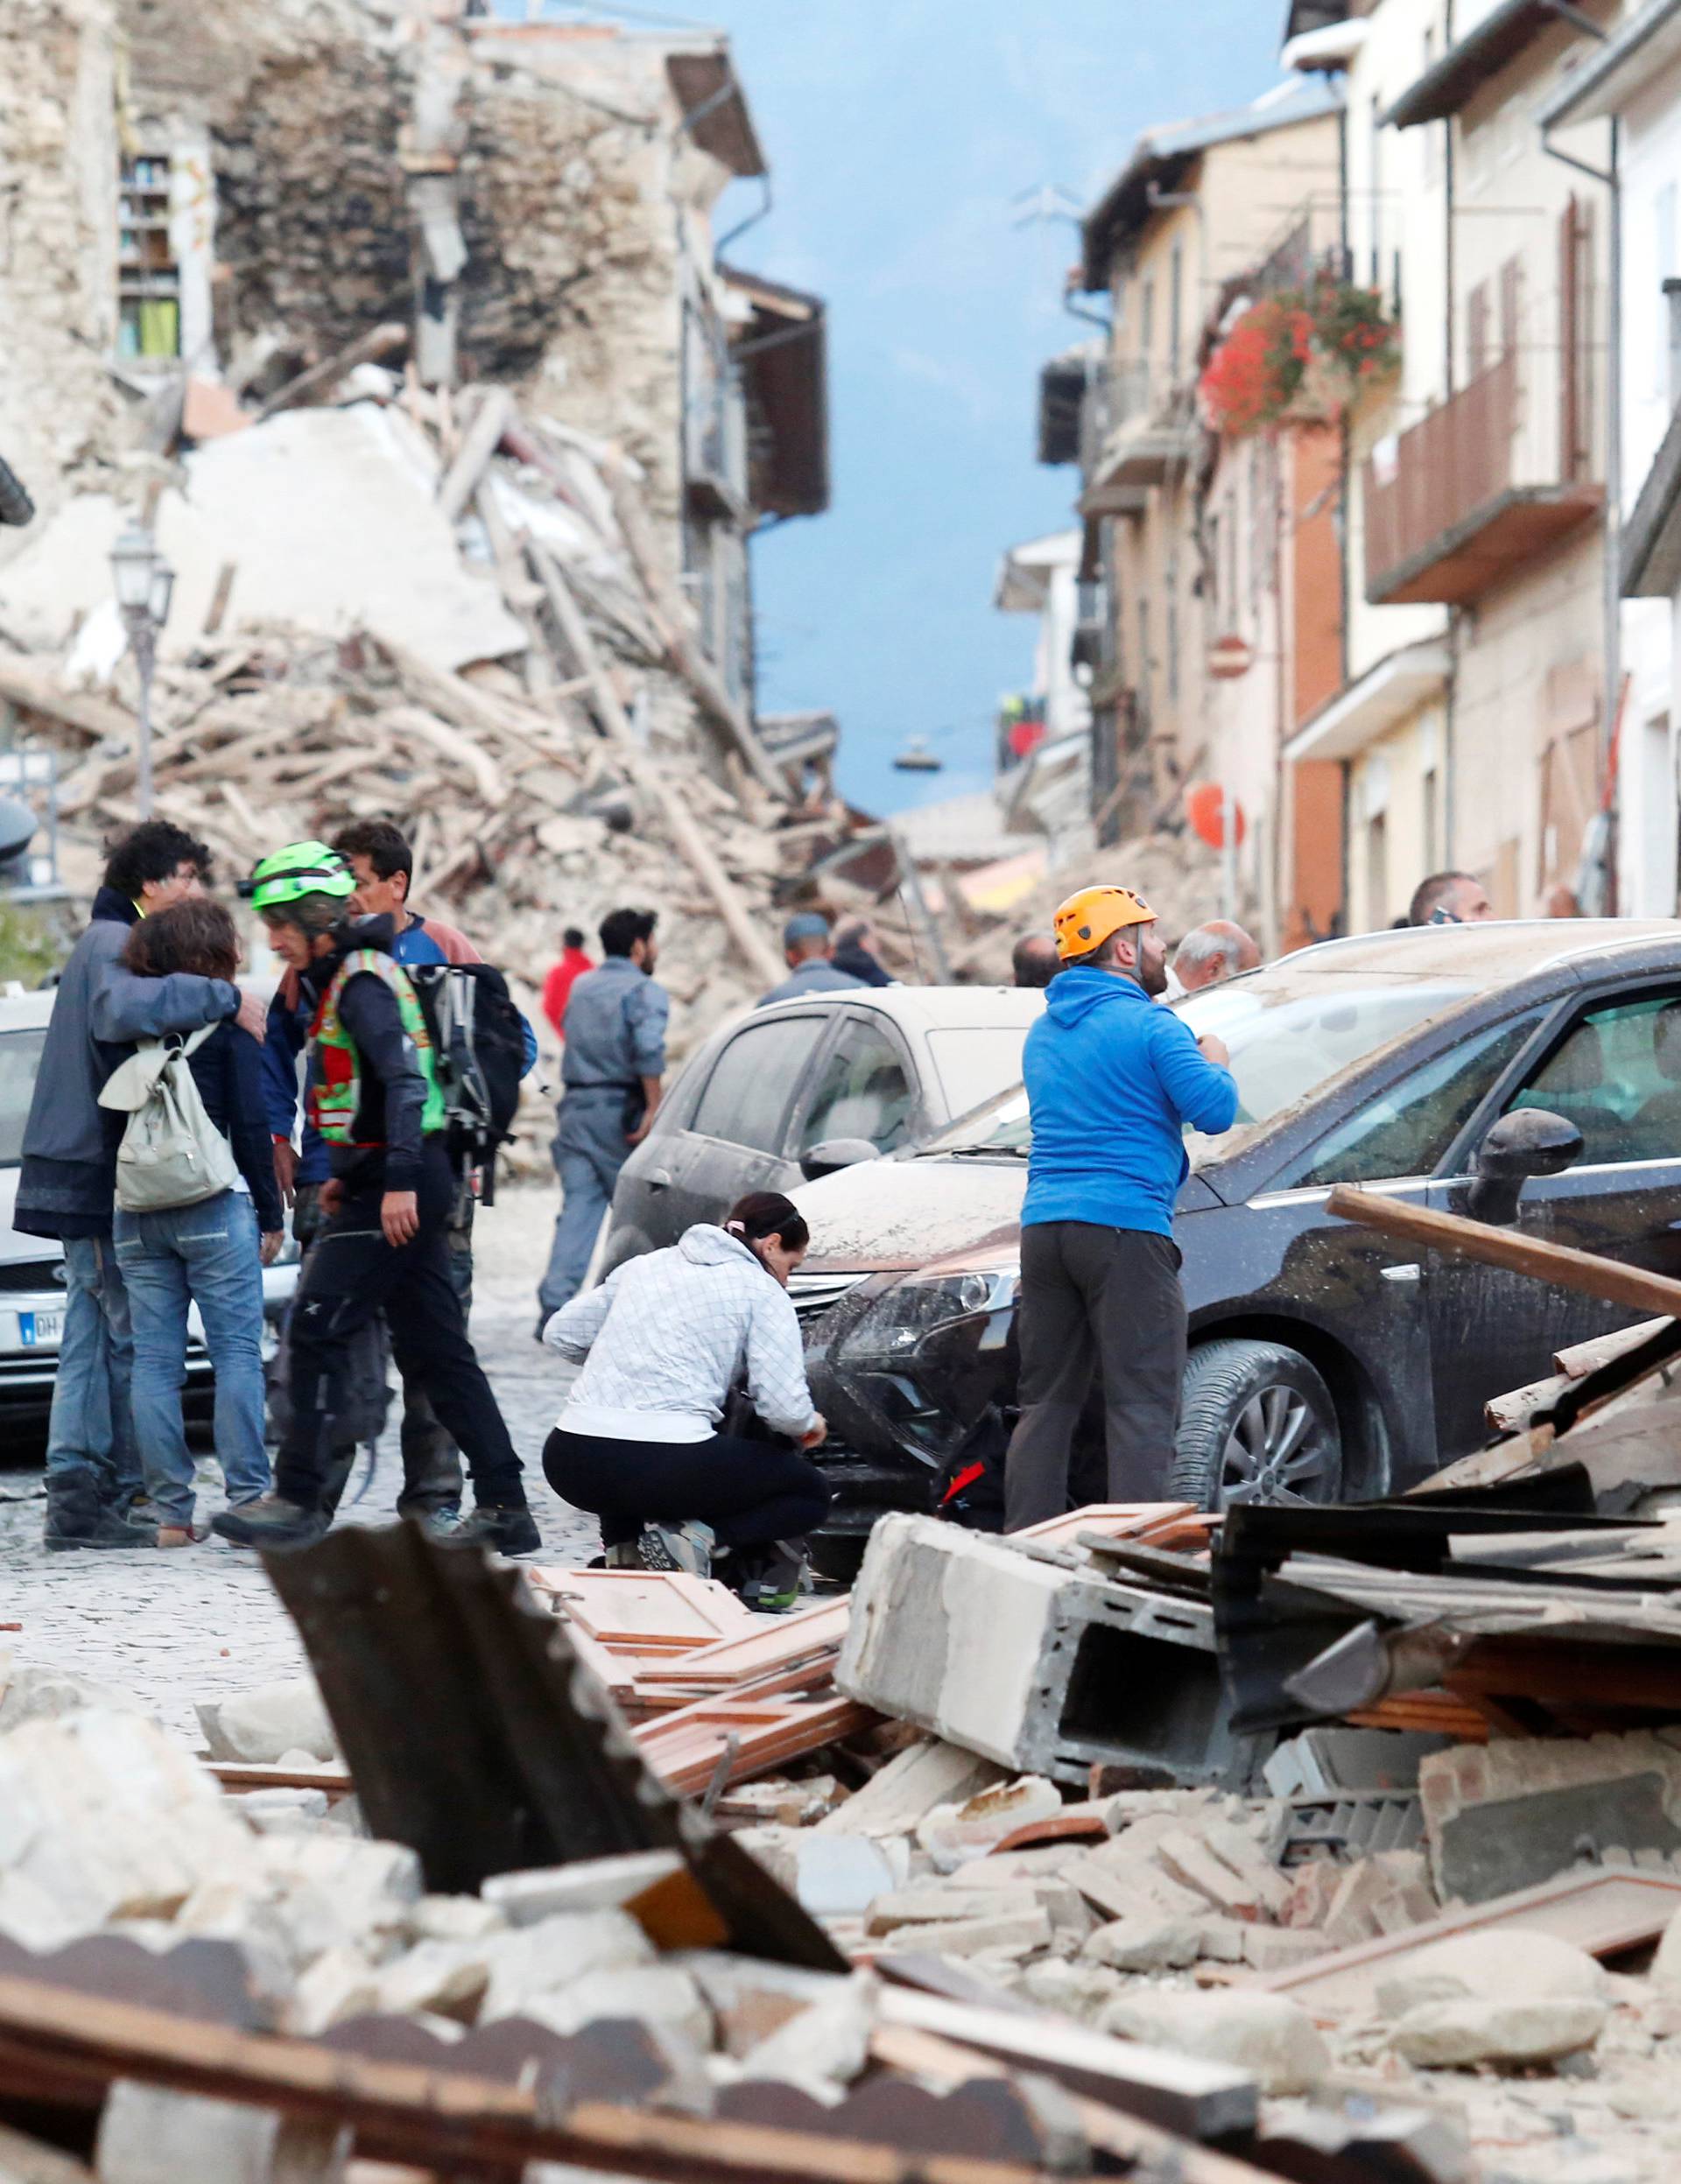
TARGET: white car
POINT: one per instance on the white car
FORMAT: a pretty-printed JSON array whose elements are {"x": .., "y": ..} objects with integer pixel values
[{"x": 32, "y": 1268}]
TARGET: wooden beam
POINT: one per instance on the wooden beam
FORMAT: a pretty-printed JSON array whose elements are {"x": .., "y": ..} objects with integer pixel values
[
  {"x": 1587, "y": 1272},
  {"x": 483, "y": 437},
  {"x": 38, "y": 690},
  {"x": 752, "y": 945},
  {"x": 322, "y": 377},
  {"x": 73, "y": 2045}
]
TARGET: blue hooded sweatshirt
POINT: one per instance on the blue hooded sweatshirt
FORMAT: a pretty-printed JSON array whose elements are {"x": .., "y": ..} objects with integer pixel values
[{"x": 1111, "y": 1081}]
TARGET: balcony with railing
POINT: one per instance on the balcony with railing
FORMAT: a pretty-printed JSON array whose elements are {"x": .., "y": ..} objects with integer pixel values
[
  {"x": 1149, "y": 434},
  {"x": 1505, "y": 468}
]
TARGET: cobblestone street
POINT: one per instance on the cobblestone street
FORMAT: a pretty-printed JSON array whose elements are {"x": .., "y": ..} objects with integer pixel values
[{"x": 202, "y": 1623}]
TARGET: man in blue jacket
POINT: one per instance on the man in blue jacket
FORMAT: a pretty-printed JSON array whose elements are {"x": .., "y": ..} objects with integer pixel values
[{"x": 1112, "y": 1083}]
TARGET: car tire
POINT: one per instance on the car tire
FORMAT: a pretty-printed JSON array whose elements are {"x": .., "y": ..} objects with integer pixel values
[{"x": 1256, "y": 1424}]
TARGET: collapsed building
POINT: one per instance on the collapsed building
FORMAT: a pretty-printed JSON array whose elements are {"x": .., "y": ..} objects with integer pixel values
[{"x": 407, "y": 334}]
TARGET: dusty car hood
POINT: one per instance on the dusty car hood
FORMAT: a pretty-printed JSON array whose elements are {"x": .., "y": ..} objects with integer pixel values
[{"x": 885, "y": 1215}]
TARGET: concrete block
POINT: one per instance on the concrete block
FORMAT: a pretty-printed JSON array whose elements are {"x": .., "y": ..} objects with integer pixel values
[
  {"x": 455, "y": 1919},
  {"x": 749, "y": 1997},
  {"x": 1118, "y": 1891},
  {"x": 1512, "y": 1769},
  {"x": 1038, "y": 1668},
  {"x": 1015, "y": 1937},
  {"x": 1235, "y": 1847},
  {"x": 1327, "y": 1758},
  {"x": 953, "y": 1834},
  {"x": 1144, "y": 1942},
  {"x": 1490, "y": 1968},
  {"x": 918, "y": 1907},
  {"x": 1279, "y": 1947},
  {"x": 442, "y": 1978},
  {"x": 1459, "y": 2034},
  {"x": 277, "y": 1717},
  {"x": 556, "y": 1953},
  {"x": 147, "y": 2136},
  {"x": 596, "y": 1884},
  {"x": 1270, "y": 2037},
  {"x": 1186, "y": 1859},
  {"x": 1081, "y": 1989},
  {"x": 35, "y": 1690},
  {"x": 839, "y": 1877},
  {"x": 340, "y": 1983},
  {"x": 104, "y": 1817},
  {"x": 1351, "y": 1914},
  {"x": 652, "y": 1994},
  {"x": 1223, "y": 1939},
  {"x": 828, "y": 2041},
  {"x": 910, "y": 1786},
  {"x": 1312, "y": 1890}
]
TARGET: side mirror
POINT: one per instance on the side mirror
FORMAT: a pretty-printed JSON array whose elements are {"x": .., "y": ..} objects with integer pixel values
[
  {"x": 1528, "y": 1142},
  {"x": 835, "y": 1152}
]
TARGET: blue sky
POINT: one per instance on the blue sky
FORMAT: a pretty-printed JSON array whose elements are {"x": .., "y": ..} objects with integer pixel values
[{"x": 898, "y": 133}]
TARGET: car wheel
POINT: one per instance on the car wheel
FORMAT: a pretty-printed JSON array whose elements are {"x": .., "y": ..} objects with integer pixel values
[{"x": 1256, "y": 1424}]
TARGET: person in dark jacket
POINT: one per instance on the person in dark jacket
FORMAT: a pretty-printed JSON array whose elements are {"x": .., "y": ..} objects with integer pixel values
[
  {"x": 211, "y": 1254},
  {"x": 854, "y": 952},
  {"x": 67, "y": 1180},
  {"x": 374, "y": 1098}
]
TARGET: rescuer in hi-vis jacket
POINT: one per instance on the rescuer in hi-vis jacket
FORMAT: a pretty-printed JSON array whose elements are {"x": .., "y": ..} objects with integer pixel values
[{"x": 373, "y": 1096}]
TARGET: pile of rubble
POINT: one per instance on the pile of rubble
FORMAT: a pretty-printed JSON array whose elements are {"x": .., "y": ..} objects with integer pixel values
[{"x": 449, "y": 617}]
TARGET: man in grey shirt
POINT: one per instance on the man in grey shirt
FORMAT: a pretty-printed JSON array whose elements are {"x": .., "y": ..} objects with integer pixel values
[
  {"x": 614, "y": 1028},
  {"x": 809, "y": 953}
]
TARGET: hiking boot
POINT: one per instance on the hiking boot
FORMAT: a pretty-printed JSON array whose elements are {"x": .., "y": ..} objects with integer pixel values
[
  {"x": 683, "y": 1547},
  {"x": 270, "y": 1523},
  {"x": 75, "y": 1519},
  {"x": 774, "y": 1584},
  {"x": 509, "y": 1529}
]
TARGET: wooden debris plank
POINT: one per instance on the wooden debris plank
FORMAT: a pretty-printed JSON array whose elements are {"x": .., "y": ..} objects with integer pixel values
[
  {"x": 736, "y": 1659},
  {"x": 1116, "y": 1519},
  {"x": 683, "y": 1748},
  {"x": 251, "y": 1775},
  {"x": 1602, "y": 1909},
  {"x": 645, "y": 1610},
  {"x": 323, "y": 377},
  {"x": 73, "y": 2046},
  {"x": 1589, "y": 1273}
]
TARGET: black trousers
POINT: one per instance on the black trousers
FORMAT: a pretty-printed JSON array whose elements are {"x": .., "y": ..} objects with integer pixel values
[
  {"x": 750, "y": 1492},
  {"x": 353, "y": 1274},
  {"x": 1103, "y": 1297}
]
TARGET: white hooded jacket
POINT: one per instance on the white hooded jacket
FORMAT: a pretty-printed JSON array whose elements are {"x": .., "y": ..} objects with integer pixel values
[{"x": 665, "y": 1336}]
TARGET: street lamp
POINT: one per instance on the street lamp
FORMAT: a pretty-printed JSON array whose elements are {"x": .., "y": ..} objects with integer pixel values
[{"x": 144, "y": 582}]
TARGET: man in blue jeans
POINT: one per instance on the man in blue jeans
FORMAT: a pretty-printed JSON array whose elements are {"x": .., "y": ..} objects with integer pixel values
[
  {"x": 615, "y": 1060},
  {"x": 67, "y": 1182}
]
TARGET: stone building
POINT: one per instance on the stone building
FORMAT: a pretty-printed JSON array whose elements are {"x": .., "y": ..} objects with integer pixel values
[{"x": 198, "y": 202}]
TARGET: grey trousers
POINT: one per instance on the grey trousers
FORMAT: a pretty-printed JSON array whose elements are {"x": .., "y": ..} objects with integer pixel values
[
  {"x": 589, "y": 1150},
  {"x": 1103, "y": 1297}
]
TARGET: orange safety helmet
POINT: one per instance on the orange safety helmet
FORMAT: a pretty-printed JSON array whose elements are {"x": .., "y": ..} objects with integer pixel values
[{"x": 1085, "y": 920}]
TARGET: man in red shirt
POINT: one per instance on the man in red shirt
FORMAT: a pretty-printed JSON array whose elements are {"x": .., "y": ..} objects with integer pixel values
[{"x": 557, "y": 987}]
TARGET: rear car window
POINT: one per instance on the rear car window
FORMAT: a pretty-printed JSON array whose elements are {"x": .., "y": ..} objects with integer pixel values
[
  {"x": 20, "y": 1057},
  {"x": 753, "y": 1080}
]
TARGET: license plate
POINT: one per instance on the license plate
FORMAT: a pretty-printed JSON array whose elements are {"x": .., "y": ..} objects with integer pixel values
[{"x": 40, "y": 1331}]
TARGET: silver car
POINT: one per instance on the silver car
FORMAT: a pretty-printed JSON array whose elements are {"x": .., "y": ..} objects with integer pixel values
[
  {"x": 805, "y": 1088},
  {"x": 32, "y": 1268}
]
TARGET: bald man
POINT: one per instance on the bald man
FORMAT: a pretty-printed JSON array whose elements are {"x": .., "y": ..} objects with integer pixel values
[{"x": 1215, "y": 951}]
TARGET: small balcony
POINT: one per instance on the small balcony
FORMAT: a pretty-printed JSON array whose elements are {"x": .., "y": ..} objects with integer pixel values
[
  {"x": 1151, "y": 435},
  {"x": 1473, "y": 491}
]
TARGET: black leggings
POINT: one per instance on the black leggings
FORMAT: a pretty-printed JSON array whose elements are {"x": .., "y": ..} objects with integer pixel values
[{"x": 749, "y": 1492}]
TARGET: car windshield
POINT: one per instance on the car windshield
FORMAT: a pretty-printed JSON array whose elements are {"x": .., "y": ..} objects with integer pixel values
[
  {"x": 1285, "y": 1043},
  {"x": 20, "y": 1056}
]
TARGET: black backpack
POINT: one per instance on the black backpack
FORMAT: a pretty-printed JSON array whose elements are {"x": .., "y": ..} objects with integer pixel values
[{"x": 478, "y": 1043}]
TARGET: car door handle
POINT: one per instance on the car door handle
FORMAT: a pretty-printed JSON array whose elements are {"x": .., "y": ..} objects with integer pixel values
[
  {"x": 658, "y": 1178},
  {"x": 1403, "y": 1273}
]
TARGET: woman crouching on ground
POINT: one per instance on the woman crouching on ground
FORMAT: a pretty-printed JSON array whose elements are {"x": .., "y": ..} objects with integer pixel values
[{"x": 664, "y": 1341}]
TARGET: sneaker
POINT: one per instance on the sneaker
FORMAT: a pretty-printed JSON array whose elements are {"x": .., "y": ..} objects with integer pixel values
[
  {"x": 683, "y": 1547},
  {"x": 270, "y": 1523},
  {"x": 438, "y": 1524},
  {"x": 509, "y": 1530},
  {"x": 776, "y": 1581}
]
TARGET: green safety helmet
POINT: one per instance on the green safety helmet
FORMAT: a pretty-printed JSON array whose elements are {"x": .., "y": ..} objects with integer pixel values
[{"x": 301, "y": 868}]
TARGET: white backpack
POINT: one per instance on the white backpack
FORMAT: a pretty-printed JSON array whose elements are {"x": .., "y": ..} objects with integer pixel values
[{"x": 171, "y": 1154}]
